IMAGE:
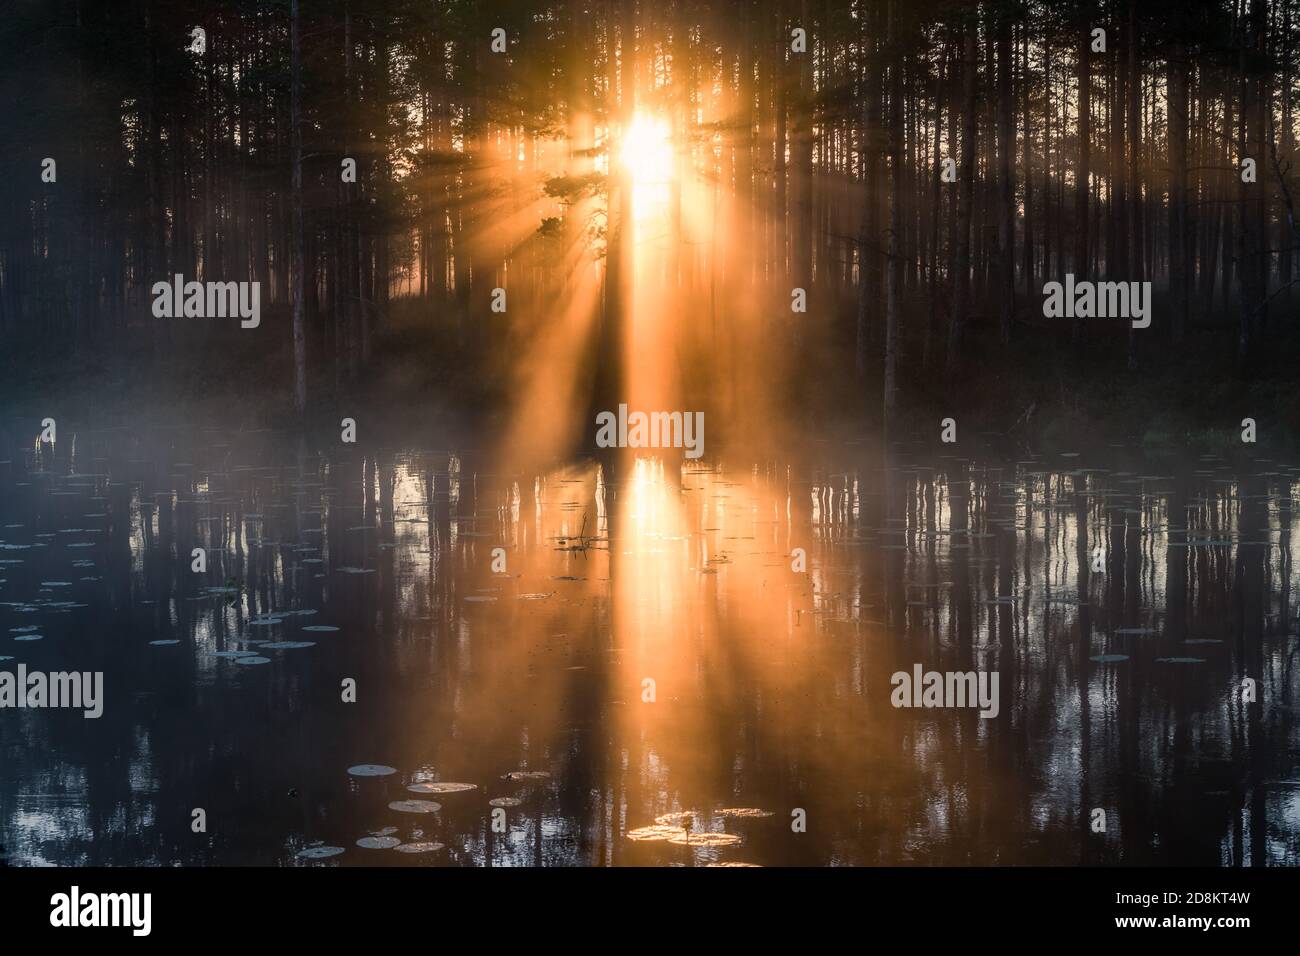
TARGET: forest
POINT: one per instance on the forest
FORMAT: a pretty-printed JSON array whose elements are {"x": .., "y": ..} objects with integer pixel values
[{"x": 850, "y": 207}]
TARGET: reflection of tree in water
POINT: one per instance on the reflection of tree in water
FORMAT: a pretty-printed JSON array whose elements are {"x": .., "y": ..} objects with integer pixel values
[{"x": 772, "y": 687}]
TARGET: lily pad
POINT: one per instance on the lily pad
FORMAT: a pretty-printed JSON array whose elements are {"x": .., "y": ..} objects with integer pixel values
[
  {"x": 427, "y": 847},
  {"x": 441, "y": 787},
  {"x": 319, "y": 852},
  {"x": 378, "y": 842},
  {"x": 705, "y": 839},
  {"x": 525, "y": 775},
  {"x": 676, "y": 819},
  {"x": 371, "y": 770},
  {"x": 415, "y": 806},
  {"x": 657, "y": 832}
]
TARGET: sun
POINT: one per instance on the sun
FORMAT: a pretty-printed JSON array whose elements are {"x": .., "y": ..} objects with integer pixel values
[
  {"x": 647, "y": 150},
  {"x": 647, "y": 156}
]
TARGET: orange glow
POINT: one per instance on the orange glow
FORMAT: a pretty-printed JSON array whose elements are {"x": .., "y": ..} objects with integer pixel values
[{"x": 647, "y": 154}]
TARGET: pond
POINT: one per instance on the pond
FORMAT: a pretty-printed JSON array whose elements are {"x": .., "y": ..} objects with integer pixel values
[{"x": 420, "y": 656}]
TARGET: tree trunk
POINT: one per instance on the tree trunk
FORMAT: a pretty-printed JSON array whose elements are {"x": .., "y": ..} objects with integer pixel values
[
  {"x": 965, "y": 195},
  {"x": 894, "y": 269},
  {"x": 296, "y": 293},
  {"x": 1083, "y": 173},
  {"x": 1006, "y": 280}
]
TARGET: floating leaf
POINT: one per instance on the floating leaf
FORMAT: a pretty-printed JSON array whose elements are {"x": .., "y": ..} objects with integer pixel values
[
  {"x": 705, "y": 839},
  {"x": 419, "y": 847},
  {"x": 378, "y": 842},
  {"x": 676, "y": 819},
  {"x": 319, "y": 852},
  {"x": 371, "y": 770},
  {"x": 523, "y": 775},
  {"x": 656, "y": 833},
  {"x": 415, "y": 806},
  {"x": 441, "y": 787}
]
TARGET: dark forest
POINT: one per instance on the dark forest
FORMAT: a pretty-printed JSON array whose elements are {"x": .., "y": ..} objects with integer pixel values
[{"x": 919, "y": 171}]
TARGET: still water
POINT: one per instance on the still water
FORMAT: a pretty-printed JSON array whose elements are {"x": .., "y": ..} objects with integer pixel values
[{"x": 643, "y": 656}]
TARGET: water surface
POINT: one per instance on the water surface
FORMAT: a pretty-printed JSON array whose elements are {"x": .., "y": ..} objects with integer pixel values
[{"x": 1121, "y": 669}]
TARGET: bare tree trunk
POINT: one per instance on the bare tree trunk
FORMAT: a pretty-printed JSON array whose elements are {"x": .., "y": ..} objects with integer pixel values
[
  {"x": 936, "y": 214},
  {"x": 1083, "y": 174},
  {"x": 1178, "y": 192},
  {"x": 1027, "y": 165},
  {"x": 1138, "y": 265},
  {"x": 801, "y": 156},
  {"x": 965, "y": 195},
  {"x": 1006, "y": 277},
  {"x": 867, "y": 232},
  {"x": 894, "y": 269},
  {"x": 295, "y": 121}
]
